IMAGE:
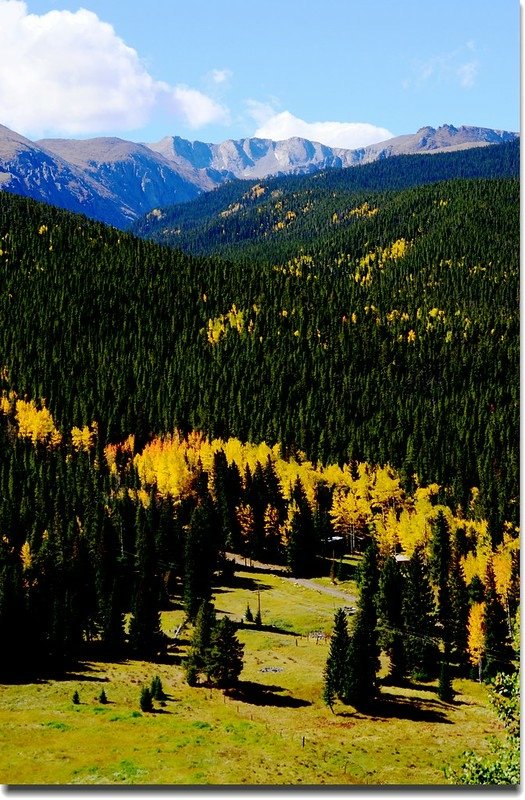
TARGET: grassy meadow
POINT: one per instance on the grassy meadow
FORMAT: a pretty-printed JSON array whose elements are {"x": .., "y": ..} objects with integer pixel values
[{"x": 274, "y": 729}]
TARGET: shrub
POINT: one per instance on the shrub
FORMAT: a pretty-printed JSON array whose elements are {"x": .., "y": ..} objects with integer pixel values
[
  {"x": 157, "y": 692},
  {"x": 146, "y": 701}
]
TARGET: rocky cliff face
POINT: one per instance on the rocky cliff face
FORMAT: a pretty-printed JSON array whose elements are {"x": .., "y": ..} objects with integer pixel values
[
  {"x": 428, "y": 140},
  {"x": 116, "y": 181}
]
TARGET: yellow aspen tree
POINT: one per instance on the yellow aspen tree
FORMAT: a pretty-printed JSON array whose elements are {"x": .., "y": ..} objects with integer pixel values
[
  {"x": 349, "y": 513},
  {"x": 82, "y": 439},
  {"x": 245, "y": 519},
  {"x": 36, "y": 424},
  {"x": 386, "y": 533},
  {"x": 386, "y": 490},
  {"x": 476, "y": 635}
]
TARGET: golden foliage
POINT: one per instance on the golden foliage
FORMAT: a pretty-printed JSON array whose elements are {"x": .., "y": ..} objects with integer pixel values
[
  {"x": 218, "y": 326},
  {"x": 83, "y": 439},
  {"x": 36, "y": 424},
  {"x": 476, "y": 633},
  {"x": 25, "y": 555},
  {"x": 365, "y": 498}
]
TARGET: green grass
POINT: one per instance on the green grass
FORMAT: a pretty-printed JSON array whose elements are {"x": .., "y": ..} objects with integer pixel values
[{"x": 205, "y": 737}]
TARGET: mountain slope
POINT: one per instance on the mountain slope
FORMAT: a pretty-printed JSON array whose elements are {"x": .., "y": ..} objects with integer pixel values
[
  {"x": 275, "y": 217},
  {"x": 446, "y": 138},
  {"x": 116, "y": 181},
  {"x": 31, "y": 170},
  {"x": 133, "y": 174},
  {"x": 393, "y": 338}
]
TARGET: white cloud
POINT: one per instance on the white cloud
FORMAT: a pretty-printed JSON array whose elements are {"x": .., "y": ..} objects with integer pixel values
[
  {"x": 260, "y": 112},
  {"x": 197, "y": 108},
  {"x": 334, "y": 134},
  {"x": 69, "y": 73},
  {"x": 221, "y": 75},
  {"x": 467, "y": 74}
]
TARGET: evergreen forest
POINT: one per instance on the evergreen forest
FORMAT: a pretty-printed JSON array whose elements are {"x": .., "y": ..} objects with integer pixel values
[{"x": 331, "y": 367}]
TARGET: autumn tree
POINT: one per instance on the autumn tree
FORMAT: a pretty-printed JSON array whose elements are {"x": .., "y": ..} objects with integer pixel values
[{"x": 476, "y": 636}]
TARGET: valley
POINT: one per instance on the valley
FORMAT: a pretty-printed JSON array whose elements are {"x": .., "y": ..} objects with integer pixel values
[{"x": 263, "y": 447}]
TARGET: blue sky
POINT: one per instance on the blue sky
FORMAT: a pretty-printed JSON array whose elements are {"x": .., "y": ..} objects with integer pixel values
[{"x": 341, "y": 71}]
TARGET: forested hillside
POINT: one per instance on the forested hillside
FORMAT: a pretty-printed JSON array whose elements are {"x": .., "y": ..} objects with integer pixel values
[
  {"x": 276, "y": 217},
  {"x": 393, "y": 339},
  {"x": 365, "y": 387}
]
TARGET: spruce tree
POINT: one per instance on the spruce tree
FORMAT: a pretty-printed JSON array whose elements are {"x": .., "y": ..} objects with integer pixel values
[
  {"x": 498, "y": 651},
  {"x": 363, "y": 650},
  {"x": 419, "y": 615},
  {"x": 459, "y": 615},
  {"x": 145, "y": 636},
  {"x": 200, "y": 557},
  {"x": 302, "y": 545},
  {"x": 223, "y": 660},
  {"x": 146, "y": 702},
  {"x": 157, "y": 692},
  {"x": 445, "y": 690},
  {"x": 391, "y": 625},
  {"x": 336, "y": 664},
  {"x": 205, "y": 623}
]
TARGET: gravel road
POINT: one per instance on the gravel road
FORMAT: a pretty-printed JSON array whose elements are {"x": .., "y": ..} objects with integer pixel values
[{"x": 283, "y": 572}]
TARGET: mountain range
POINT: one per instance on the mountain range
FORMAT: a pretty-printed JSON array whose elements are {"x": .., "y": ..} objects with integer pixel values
[{"x": 116, "y": 181}]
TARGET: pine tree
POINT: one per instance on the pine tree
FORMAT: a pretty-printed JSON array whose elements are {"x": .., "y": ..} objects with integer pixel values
[
  {"x": 302, "y": 545},
  {"x": 224, "y": 657},
  {"x": 459, "y": 614},
  {"x": 498, "y": 651},
  {"x": 363, "y": 650},
  {"x": 336, "y": 663},
  {"x": 390, "y": 604},
  {"x": 419, "y": 615},
  {"x": 145, "y": 636},
  {"x": 146, "y": 702},
  {"x": 445, "y": 690},
  {"x": 108, "y": 584},
  {"x": 200, "y": 557},
  {"x": 157, "y": 692},
  {"x": 205, "y": 623}
]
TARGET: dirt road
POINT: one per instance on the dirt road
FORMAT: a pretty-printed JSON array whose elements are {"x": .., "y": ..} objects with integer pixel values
[{"x": 279, "y": 569}]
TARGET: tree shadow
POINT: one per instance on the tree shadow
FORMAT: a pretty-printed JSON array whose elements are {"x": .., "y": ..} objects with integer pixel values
[
  {"x": 79, "y": 676},
  {"x": 398, "y": 707},
  {"x": 260, "y": 694},
  {"x": 241, "y": 582},
  {"x": 407, "y": 683},
  {"x": 250, "y": 626},
  {"x": 264, "y": 569}
]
